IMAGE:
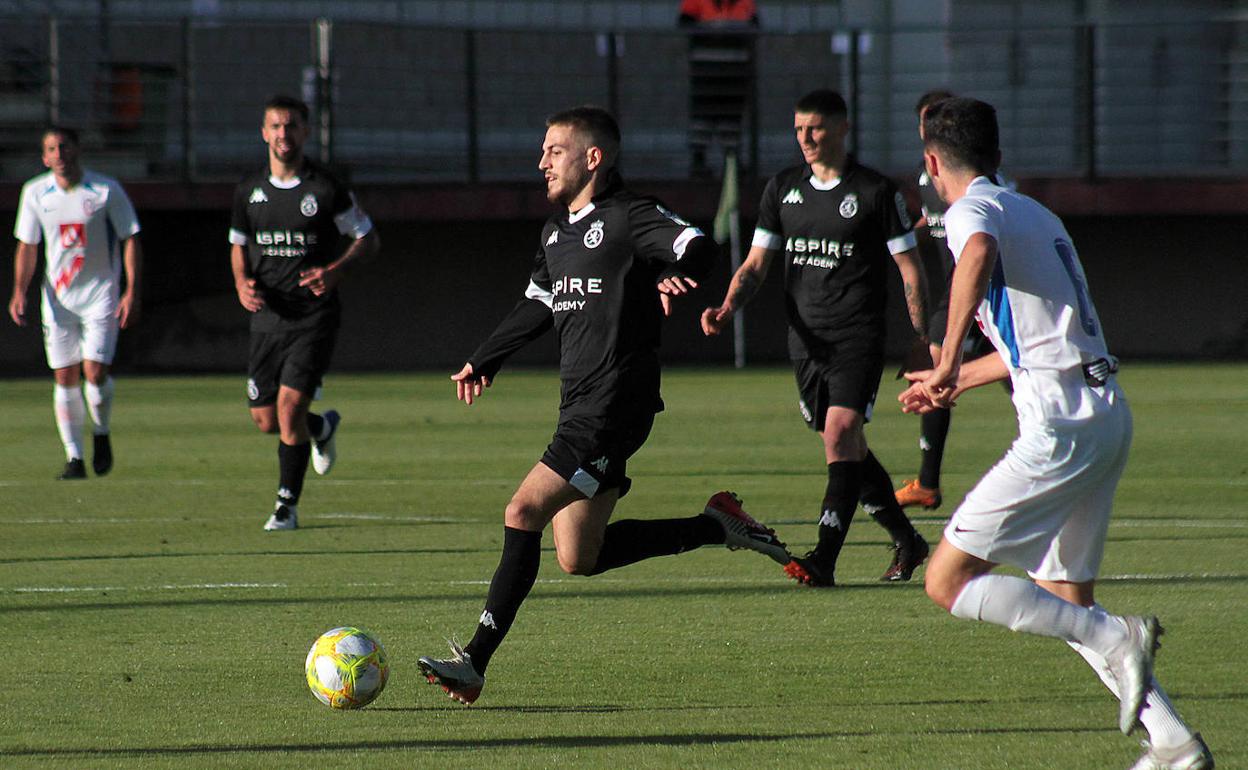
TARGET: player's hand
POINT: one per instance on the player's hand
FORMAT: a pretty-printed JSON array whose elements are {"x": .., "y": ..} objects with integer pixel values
[
  {"x": 319, "y": 280},
  {"x": 17, "y": 309},
  {"x": 128, "y": 311},
  {"x": 467, "y": 385},
  {"x": 249, "y": 296},
  {"x": 715, "y": 319},
  {"x": 674, "y": 286},
  {"x": 930, "y": 389}
]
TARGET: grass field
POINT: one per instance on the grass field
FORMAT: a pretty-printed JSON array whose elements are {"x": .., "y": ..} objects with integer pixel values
[{"x": 149, "y": 621}]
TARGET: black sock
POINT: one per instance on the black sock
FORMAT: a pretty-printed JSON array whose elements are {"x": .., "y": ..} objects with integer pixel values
[
  {"x": 840, "y": 501},
  {"x": 292, "y": 465},
  {"x": 316, "y": 424},
  {"x": 933, "y": 429},
  {"x": 879, "y": 500},
  {"x": 512, "y": 581},
  {"x": 632, "y": 540}
]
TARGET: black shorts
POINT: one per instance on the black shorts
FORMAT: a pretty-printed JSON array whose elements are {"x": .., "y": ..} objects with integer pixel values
[
  {"x": 850, "y": 378},
  {"x": 591, "y": 453},
  {"x": 297, "y": 359}
]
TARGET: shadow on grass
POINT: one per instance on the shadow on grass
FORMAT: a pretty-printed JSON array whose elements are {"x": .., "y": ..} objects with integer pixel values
[{"x": 535, "y": 743}]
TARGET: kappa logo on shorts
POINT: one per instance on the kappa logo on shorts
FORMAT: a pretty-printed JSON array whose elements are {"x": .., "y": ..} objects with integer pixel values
[
  {"x": 595, "y": 235},
  {"x": 849, "y": 206},
  {"x": 793, "y": 196},
  {"x": 307, "y": 206},
  {"x": 600, "y": 464}
]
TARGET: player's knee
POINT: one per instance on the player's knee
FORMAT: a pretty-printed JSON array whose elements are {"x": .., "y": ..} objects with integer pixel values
[
  {"x": 523, "y": 514},
  {"x": 578, "y": 563},
  {"x": 267, "y": 423},
  {"x": 940, "y": 590}
]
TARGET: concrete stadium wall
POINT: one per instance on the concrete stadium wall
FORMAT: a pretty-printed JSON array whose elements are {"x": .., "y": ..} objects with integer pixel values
[{"x": 1166, "y": 287}]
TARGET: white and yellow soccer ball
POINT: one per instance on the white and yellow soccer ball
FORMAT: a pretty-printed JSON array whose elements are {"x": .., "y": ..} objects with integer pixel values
[{"x": 346, "y": 668}]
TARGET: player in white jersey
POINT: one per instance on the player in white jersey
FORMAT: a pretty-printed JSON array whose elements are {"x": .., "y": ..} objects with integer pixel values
[
  {"x": 88, "y": 228},
  {"x": 1045, "y": 506}
]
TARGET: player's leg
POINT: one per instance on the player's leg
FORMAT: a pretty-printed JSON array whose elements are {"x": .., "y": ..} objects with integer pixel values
[
  {"x": 909, "y": 547},
  {"x": 62, "y": 341},
  {"x": 294, "y": 449},
  {"x": 541, "y": 495},
  {"x": 99, "y": 344}
]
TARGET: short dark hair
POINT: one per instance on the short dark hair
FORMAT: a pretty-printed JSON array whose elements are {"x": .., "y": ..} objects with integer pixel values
[
  {"x": 594, "y": 122},
  {"x": 289, "y": 103},
  {"x": 823, "y": 101},
  {"x": 965, "y": 131},
  {"x": 931, "y": 97},
  {"x": 65, "y": 131}
]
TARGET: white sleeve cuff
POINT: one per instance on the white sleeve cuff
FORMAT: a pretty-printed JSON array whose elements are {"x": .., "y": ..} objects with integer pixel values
[
  {"x": 238, "y": 237},
  {"x": 543, "y": 296},
  {"x": 902, "y": 243},
  {"x": 682, "y": 241},
  {"x": 767, "y": 239},
  {"x": 354, "y": 222}
]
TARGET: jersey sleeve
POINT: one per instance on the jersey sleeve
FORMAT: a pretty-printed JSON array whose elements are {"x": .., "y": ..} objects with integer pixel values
[
  {"x": 27, "y": 228},
  {"x": 529, "y": 319},
  {"x": 239, "y": 226},
  {"x": 121, "y": 212},
  {"x": 967, "y": 217},
  {"x": 895, "y": 220},
  {"x": 769, "y": 232},
  {"x": 658, "y": 234},
  {"x": 349, "y": 218}
]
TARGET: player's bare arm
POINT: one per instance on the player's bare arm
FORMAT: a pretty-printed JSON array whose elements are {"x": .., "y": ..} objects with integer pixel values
[
  {"x": 249, "y": 296},
  {"x": 469, "y": 386},
  {"x": 970, "y": 283},
  {"x": 24, "y": 261},
  {"x": 128, "y": 307},
  {"x": 745, "y": 284},
  {"x": 323, "y": 279},
  {"x": 914, "y": 289},
  {"x": 972, "y": 374}
]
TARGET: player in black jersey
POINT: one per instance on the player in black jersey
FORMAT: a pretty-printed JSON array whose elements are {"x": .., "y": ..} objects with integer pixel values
[
  {"x": 594, "y": 281},
  {"x": 288, "y": 223},
  {"x": 938, "y": 261},
  {"x": 837, "y": 223}
]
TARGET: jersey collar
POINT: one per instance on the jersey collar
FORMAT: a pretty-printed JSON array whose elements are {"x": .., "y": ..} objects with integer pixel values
[{"x": 809, "y": 175}]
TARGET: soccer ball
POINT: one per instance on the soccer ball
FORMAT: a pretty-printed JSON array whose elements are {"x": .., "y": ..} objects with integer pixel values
[{"x": 346, "y": 668}]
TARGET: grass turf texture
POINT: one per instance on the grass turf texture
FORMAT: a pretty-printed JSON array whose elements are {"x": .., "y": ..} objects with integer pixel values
[{"x": 149, "y": 622}]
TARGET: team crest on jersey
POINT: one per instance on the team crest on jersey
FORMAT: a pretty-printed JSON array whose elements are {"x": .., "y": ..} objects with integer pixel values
[
  {"x": 90, "y": 206},
  {"x": 307, "y": 206},
  {"x": 849, "y": 206},
  {"x": 593, "y": 236},
  {"x": 793, "y": 196},
  {"x": 258, "y": 196}
]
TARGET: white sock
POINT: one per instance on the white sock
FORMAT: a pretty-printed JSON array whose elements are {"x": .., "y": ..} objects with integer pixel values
[
  {"x": 1165, "y": 727},
  {"x": 100, "y": 404},
  {"x": 1021, "y": 605},
  {"x": 70, "y": 415}
]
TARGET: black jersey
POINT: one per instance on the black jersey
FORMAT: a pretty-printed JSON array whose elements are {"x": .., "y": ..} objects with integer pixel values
[
  {"x": 594, "y": 280},
  {"x": 288, "y": 230},
  {"x": 837, "y": 245},
  {"x": 937, "y": 260}
]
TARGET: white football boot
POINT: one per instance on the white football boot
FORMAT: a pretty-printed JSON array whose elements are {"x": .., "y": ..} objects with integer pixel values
[
  {"x": 1192, "y": 755},
  {"x": 323, "y": 451}
]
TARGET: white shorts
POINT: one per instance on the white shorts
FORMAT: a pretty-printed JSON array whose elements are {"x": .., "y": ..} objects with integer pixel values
[
  {"x": 1045, "y": 506},
  {"x": 69, "y": 338}
]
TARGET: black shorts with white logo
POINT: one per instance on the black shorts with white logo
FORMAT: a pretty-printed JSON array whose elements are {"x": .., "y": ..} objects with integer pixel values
[
  {"x": 591, "y": 453},
  {"x": 297, "y": 359},
  {"x": 849, "y": 378}
]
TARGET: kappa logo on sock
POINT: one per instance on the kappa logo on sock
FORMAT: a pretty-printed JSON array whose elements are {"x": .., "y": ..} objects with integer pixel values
[
  {"x": 285, "y": 493},
  {"x": 487, "y": 620},
  {"x": 830, "y": 519}
]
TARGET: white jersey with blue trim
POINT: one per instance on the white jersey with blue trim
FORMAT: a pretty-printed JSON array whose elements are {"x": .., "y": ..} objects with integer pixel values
[
  {"x": 82, "y": 229},
  {"x": 1037, "y": 312}
]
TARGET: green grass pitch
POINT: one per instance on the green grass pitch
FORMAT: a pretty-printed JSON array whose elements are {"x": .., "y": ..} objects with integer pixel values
[{"x": 149, "y": 622}]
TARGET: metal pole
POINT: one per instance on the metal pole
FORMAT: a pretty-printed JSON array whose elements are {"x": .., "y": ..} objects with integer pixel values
[
  {"x": 325, "y": 87},
  {"x": 613, "y": 76},
  {"x": 854, "y": 76},
  {"x": 54, "y": 71},
  {"x": 188, "y": 101},
  {"x": 470, "y": 98},
  {"x": 1089, "y": 101}
]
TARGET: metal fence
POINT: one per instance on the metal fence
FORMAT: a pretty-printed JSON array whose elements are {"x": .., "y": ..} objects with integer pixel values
[{"x": 179, "y": 100}]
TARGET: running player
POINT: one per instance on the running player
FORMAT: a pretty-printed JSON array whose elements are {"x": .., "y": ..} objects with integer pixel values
[
  {"x": 1045, "y": 506},
  {"x": 287, "y": 262},
  {"x": 837, "y": 222},
  {"x": 593, "y": 280},
  {"x": 89, "y": 231}
]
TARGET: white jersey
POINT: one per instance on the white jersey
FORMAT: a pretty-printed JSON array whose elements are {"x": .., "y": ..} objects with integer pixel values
[
  {"x": 1037, "y": 311},
  {"x": 83, "y": 229}
]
